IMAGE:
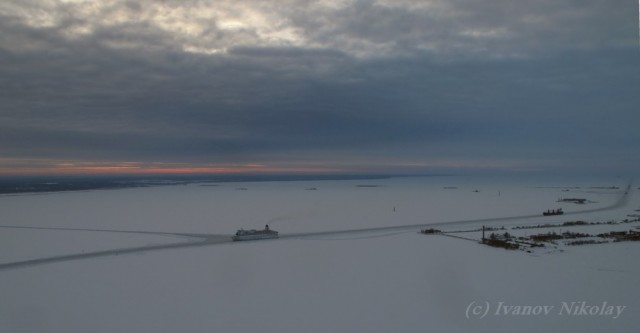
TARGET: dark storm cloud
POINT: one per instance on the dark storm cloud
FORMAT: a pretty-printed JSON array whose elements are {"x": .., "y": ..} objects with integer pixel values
[{"x": 191, "y": 82}]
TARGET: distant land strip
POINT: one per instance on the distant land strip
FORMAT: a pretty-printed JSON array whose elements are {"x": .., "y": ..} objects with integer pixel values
[{"x": 37, "y": 185}]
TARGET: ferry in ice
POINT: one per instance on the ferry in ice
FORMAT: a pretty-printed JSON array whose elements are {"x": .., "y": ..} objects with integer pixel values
[{"x": 266, "y": 233}]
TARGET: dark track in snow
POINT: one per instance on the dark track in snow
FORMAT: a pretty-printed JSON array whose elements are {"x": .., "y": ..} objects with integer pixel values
[{"x": 198, "y": 240}]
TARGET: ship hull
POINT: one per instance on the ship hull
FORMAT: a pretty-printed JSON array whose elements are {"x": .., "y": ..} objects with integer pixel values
[
  {"x": 257, "y": 236},
  {"x": 253, "y": 237}
]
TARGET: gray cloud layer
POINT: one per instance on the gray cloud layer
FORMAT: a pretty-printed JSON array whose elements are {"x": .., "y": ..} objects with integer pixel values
[{"x": 362, "y": 81}]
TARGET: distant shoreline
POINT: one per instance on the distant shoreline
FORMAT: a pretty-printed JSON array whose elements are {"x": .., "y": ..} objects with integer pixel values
[{"x": 36, "y": 185}]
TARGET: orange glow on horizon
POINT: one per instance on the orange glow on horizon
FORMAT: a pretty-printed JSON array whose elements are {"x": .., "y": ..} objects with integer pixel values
[
  {"x": 132, "y": 168},
  {"x": 44, "y": 167}
]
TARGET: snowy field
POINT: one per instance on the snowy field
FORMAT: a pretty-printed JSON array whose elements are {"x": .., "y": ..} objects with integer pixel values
[{"x": 383, "y": 277}]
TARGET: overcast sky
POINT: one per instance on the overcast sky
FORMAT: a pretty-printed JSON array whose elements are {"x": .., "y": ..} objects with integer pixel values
[{"x": 402, "y": 86}]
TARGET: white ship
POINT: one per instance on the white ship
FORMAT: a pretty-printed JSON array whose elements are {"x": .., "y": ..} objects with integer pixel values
[{"x": 242, "y": 235}]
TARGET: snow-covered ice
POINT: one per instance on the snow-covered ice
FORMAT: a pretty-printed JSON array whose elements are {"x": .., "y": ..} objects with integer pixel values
[{"x": 369, "y": 281}]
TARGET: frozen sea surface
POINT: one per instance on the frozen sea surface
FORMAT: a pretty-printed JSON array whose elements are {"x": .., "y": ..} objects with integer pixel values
[{"x": 374, "y": 281}]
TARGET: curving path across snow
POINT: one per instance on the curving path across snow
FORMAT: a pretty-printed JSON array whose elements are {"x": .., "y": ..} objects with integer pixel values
[{"x": 197, "y": 240}]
